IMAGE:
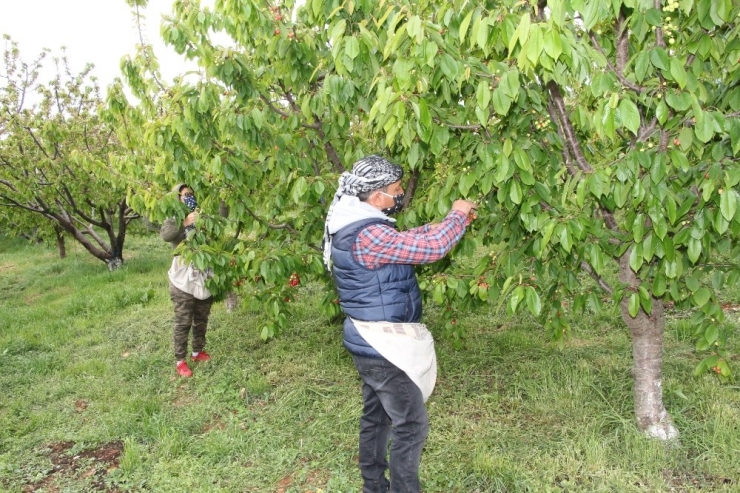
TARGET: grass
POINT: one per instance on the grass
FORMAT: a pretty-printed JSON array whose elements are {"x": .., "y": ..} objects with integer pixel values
[{"x": 91, "y": 402}]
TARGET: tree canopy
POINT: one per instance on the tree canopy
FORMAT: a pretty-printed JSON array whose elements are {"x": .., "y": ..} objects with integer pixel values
[
  {"x": 600, "y": 138},
  {"x": 54, "y": 152}
]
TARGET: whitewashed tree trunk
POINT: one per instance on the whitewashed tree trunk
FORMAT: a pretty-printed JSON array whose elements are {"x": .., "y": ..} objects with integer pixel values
[{"x": 647, "y": 362}]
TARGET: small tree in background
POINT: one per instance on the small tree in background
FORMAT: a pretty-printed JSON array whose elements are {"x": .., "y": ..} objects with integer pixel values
[{"x": 54, "y": 153}]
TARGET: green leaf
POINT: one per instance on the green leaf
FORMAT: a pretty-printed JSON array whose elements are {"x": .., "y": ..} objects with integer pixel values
[
  {"x": 522, "y": 32},
  {"x": 701, "y": 345},
  {"x": 299, "y": 189},
  {"x": 501, "y": 101},
  {"x": 547, "y": 235},
  {"x": 711, "y": 334},
  {"x": 510, "y": 83},
  {"x": 704, "y": 128},
  {"x": 670, "y": 209},
  {"x": 659, "y": 285},
  {"x": 415, "y": 29},
  {"x": 686, "y": 138},
  {"x": 728, "y": 204},
  {"x": 721, "y": 11},
  {"x": 482, "y": 33},
  {"x": 338, "y": 30},
  {"x": 642, "y": 65},
  {"x": 565, "y": 239},
  {"x": 553, "y": 44},
  {"x": 636, "y": 258},
  {"x": 465, "y": 24},
  {"x": 449, "y": 66},
  {"x": 661, "y": 112},
  {"x": 483, "y": 94},
  {"x": 557, "y": 11},
  {"x": 515, "y": 192},
  {"x": 438, "y": 294},
  {"x": 516, "y": 297},
  {"x": 535, "y": 44},
  {"x": 633, "y": 306},
  {"x": 351, "y": 47},
  {"x": 678, "y": 73},
  {"x": 533, "y": 301},
  {"x": 653, "y": 17},
  {"x": 694, "y": 250},
  {"x": 693, "y": 283},
  {"x": 680, "y": 101},
  {"x": 629, "y": 115},
  {"x": 659, "y": 58},
  {"x": 701, "y": 296}
]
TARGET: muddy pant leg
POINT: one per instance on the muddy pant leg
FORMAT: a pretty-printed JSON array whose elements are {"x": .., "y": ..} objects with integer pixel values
[
  {"x": 184, "y": 304},
  {"x": 200, "y": 323}
]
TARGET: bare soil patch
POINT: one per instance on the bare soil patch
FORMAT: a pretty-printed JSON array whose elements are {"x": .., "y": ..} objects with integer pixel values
[{"x": 95, "y": 464}]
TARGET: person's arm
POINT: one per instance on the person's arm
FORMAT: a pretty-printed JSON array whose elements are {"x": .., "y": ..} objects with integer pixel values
[
  {"x": 379, "y": 244},
  {"x": 171, "y": 230},
  {"x": 421, "y": 230}
]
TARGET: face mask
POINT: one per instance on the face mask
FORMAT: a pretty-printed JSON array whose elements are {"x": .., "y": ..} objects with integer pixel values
[
  {"x": 397, "y": 206},
  {"x": 190, "y": 201}
]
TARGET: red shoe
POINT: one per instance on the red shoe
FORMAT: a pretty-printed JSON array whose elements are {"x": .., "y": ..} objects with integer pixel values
[
  {"x": 202, "y": 356},
  {"x": 183, "y": 370}
]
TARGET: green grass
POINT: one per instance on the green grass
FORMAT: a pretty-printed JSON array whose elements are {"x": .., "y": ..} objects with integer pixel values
[{"x": 91, "y": 402}]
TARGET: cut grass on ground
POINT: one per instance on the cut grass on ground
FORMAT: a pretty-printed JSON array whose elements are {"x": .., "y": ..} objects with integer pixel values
[{"x": 91, "y": 402}]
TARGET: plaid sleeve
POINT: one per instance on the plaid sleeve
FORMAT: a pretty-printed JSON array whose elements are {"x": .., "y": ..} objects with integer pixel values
[{"x": 380, "y": 244}]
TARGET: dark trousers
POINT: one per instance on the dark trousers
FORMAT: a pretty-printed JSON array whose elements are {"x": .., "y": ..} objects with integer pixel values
[
  {"x": 393, "y": 409},
  {"x": 190, "y": 312}
]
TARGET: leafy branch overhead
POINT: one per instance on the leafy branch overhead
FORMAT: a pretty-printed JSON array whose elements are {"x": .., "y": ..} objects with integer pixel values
[{"x": 600, "y": 139}]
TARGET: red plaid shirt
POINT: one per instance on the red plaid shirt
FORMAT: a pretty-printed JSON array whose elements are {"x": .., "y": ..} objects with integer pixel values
[{"x": 381, "y": 244}]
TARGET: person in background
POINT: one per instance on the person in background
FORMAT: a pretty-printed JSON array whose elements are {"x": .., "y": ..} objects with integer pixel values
[
  {"x": 373, "y": 267},
  {"x": 191, "y": 300}
]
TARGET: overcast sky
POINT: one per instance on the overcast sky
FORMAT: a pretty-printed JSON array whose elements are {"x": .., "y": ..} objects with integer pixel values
[{"x": 93, "y": 31}]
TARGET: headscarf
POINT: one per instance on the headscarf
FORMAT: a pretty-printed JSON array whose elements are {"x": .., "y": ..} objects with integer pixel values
[{"x": 368, "y": 174}]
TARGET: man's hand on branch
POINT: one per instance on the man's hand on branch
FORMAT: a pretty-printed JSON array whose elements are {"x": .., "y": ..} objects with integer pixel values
[{"x": 464, "y": 206}]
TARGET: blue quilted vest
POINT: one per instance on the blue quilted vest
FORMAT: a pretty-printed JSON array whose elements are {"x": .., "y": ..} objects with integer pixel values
[{"x": 387, "y": 294}]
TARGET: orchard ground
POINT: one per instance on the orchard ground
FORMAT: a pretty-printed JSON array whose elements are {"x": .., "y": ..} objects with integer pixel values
[{"x": 91, "y": 402}]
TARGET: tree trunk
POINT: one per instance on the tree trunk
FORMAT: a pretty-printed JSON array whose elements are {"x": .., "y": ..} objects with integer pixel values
[
  {"x": 231, "y": 301},
  {"x": 647, "y": 361},
  {"x": 61, "y": 247},
  {"x": 223, "y": 209},
  {"x": 113, "y": 263}
]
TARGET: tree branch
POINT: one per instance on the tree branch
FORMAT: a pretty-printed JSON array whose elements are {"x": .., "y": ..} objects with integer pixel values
[
  {"x": 37, "y": 142},
  {"x": 625, "y": 82},
  {"x": 269, "y": 225},
  {"x": 411, "y": 187},
  {"x": 570, "y": 135},
  {"x": 15, "y": 203},
  {"x": 647, "y": 131},
  {"x": 77, "y": 210},
  {"x": 599, "y": 280},
  {"x": 9, "y": 185},
  {"x": 566, "y": 153}
]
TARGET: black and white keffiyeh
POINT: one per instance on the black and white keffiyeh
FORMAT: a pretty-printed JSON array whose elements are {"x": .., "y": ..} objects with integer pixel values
[{"x": 368, "y": 174}]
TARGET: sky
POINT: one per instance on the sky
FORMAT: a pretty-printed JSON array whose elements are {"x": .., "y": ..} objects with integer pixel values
[{"x": 93, "y": 31}]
